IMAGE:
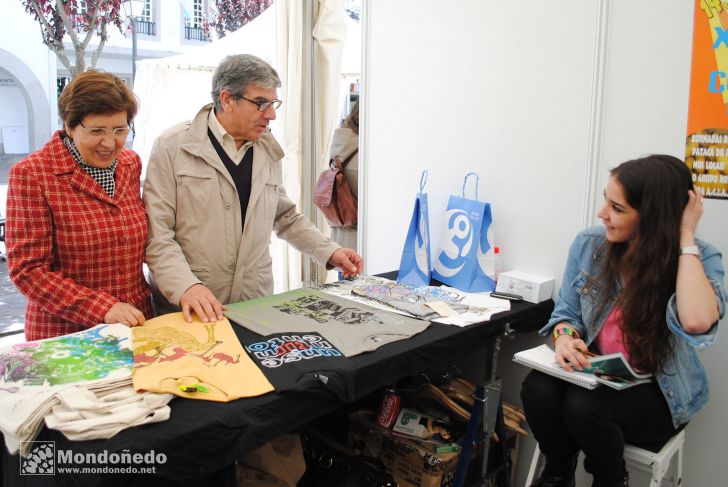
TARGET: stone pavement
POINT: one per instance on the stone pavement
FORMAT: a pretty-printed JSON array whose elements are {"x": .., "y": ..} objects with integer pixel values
[
  {"x": 12, "y": 303},
  {"x": 7, "y": 160}
]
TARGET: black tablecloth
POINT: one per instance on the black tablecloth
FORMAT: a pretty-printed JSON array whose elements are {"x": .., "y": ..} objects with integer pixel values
[{"x": 202, "y": 437}]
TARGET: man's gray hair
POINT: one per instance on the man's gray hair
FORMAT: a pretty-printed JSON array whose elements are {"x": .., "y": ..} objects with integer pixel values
[{"x": 235, "y": 73}]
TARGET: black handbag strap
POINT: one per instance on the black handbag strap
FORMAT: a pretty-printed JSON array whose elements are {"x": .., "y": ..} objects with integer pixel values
[{"x": 332, "y": 162}]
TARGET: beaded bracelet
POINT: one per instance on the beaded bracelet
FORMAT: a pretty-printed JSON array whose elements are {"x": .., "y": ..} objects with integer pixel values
[{"x": 564, "y": 330}]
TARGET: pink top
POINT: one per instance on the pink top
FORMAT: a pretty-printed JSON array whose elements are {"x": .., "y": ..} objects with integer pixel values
[{"x": 609, "y": 339}]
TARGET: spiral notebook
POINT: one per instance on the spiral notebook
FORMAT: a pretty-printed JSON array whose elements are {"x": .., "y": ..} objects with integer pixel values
[{"x": 543, "y": 358}]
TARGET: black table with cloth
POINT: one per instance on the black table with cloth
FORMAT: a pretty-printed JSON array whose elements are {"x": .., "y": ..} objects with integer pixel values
[{"x": 202, "y": 439}]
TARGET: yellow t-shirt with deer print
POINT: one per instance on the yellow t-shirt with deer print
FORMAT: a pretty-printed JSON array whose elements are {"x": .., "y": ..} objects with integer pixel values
[{"x": 195, "y": 360}]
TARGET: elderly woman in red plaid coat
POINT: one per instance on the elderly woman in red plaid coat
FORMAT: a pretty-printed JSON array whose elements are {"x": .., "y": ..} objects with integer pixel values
[{"x": 76, "y": 226}]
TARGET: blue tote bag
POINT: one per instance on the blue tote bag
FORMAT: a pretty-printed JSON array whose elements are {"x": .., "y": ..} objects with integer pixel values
[
  {"x": 415, "y": 268},
  {"x": 465, "y": 258}
]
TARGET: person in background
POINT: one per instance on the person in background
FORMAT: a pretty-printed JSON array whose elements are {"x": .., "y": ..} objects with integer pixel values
[
  {"x": 76, "y": 226},
  {"x": 214, "y": 193},
  {"x": 643, "y": 285},
  {"x": 345, "y": 143}
]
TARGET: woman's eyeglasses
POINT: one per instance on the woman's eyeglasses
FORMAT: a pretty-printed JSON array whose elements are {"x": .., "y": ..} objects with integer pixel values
[{"x": 101, "y": 132}]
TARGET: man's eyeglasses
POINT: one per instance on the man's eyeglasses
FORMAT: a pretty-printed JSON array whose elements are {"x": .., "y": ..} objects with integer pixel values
[
  {"x": 263, "y": 105},
  {"x": 103, "y": 132}
]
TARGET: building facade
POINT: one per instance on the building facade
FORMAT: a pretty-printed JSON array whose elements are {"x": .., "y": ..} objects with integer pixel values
[{"x": 31, "y": 76}]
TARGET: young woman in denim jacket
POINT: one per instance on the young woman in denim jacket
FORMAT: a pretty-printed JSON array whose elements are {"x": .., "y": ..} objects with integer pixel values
[{"x": 644, "y": 285}]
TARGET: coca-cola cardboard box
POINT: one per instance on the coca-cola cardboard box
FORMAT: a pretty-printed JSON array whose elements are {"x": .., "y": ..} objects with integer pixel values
[{"x": 411, "y": 464}]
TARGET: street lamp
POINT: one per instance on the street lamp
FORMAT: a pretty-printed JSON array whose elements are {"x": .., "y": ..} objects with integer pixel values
[{"x": 133, "y": 10}]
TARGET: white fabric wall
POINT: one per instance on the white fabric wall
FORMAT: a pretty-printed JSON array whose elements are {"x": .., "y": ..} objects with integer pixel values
[
  {"x": 484, "y": 87},
  {"x": 541, "y": 98},
  {"x": 173, "y": 89}
]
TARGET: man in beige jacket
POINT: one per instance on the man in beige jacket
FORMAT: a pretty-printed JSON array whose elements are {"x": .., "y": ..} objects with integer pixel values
[{"x": 213, "y": 194}]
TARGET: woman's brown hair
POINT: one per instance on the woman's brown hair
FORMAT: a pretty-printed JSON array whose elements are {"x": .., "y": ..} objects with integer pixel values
[
  {"x": 352, "y": 121},
  {"x": 95, "y": 92},
  {"x": 657, "y": 187}
]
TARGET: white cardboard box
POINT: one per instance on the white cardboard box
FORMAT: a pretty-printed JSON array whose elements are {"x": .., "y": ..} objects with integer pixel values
[
  {"x": 411, "y": 422},
  {"x": 533, "y": 288}
]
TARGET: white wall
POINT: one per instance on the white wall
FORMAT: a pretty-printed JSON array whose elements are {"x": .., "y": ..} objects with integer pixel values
[
  {"x": 14, "y": 114},
  {"x": 484, "y": 87},
  {"x": 510, "y": 91}
]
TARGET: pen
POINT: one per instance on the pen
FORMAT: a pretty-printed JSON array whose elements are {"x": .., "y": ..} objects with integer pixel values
[{"x": 586, "y": 352}]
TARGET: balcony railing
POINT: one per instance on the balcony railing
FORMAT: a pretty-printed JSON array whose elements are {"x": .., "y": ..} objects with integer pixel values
[
  {"x": 144, "y": 27},
  {"x": 195, "y": 33}
]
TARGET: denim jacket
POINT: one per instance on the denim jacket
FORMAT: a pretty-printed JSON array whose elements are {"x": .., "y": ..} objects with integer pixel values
[{"x": 683, "y": 380}]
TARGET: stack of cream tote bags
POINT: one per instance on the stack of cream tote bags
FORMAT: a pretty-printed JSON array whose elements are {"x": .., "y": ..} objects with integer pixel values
[
  {"x": 88, "y": 414},
  {"x": 81, "y": 383}
]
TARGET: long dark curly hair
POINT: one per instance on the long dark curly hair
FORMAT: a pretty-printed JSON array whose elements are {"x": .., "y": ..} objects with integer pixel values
[{"x": 657, "y": 187}]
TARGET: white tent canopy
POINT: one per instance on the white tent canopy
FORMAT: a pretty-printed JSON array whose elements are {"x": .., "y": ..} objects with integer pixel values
[{"x": 172, "y": 89}]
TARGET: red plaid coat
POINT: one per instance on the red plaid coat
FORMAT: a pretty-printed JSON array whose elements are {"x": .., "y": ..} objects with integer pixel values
[{"x": 72, "y": 250}]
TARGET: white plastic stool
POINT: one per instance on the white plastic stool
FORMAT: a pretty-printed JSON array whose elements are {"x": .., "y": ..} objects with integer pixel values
[{"x": 641, "y": 459}]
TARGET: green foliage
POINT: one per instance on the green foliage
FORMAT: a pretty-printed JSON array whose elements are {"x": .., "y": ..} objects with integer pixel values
[{"x": 230, "y": 15}]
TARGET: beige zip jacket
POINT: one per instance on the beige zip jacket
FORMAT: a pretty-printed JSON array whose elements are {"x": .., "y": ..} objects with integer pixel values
[{"x": 193, "y": 215}]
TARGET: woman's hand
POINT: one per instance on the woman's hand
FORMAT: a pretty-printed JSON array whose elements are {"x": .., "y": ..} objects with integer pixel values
[
  {"x": 125, "y": 314},
  {"x": 690, "y": 218},
  {"x": 571, "y": 352},
  {"x": 697, "y": 304}
]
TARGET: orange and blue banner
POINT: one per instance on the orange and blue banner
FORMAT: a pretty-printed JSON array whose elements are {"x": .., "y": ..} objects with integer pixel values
[{"x": 706, "y": 149}]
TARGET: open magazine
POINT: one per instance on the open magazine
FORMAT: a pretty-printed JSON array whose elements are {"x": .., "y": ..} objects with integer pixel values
[{"x": 612, "y": 370}]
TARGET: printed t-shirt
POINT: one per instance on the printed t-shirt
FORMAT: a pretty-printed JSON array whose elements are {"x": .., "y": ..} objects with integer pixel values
[
  {"x": 351, "y": 328},
  {"x": 195, "y": 360},
  {"x": 406, "y": 298},
  {"x": 478, "y": 307},
  {"x": 300, "y": 362}
]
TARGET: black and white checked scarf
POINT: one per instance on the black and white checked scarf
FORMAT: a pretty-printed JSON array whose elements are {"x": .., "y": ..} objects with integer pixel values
[{"x": 103, "y": 176}]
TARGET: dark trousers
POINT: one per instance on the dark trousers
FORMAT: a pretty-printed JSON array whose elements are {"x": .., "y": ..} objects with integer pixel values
[{"x": 566, "y": 418}]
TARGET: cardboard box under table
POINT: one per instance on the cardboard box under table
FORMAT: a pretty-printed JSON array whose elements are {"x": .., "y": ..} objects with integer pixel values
[{"x": 411, "y": 464}]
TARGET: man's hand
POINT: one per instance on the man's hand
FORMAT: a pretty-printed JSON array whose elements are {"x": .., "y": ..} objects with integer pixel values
[
  {"x": 125, "y": 314},
  {"x": 348, "y": 261},
  {"x": 201, "y": 300}
]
